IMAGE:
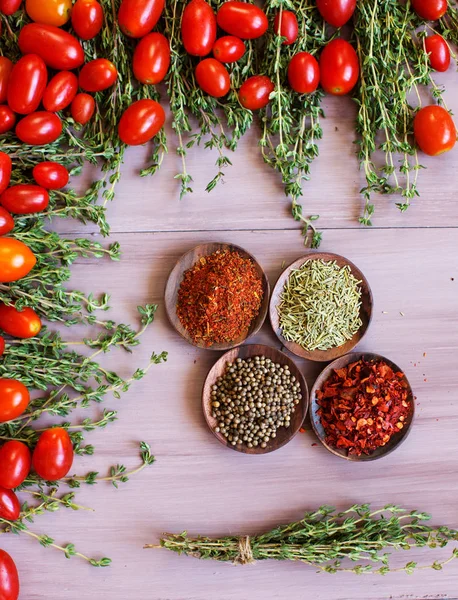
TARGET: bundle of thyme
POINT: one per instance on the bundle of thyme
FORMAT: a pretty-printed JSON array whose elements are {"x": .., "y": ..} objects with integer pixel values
[{"x": 329, "y": 541}]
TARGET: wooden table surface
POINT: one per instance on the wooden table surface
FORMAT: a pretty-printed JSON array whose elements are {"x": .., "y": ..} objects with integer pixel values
[{"x": 411, "y": 261}]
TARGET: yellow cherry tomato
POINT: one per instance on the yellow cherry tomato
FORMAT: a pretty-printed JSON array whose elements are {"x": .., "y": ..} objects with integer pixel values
[{"x": 49, "y": 12}]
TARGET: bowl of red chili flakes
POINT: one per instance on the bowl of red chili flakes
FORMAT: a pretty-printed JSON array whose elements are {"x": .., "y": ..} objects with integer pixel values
[{"x": 362, "y": 407}]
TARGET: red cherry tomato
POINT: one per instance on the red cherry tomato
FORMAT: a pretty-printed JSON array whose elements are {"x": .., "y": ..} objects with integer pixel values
[
  {"x": 241, "y": 19},
  {"x": 5, "y": 171},
  {"x": 52, "y": 458},
  {"x": 213, "y": 77},
  {"x": 9, "y": 7},
  {"x": 336, "y": 12},
  {"x": 151, "y": 58},
  {"x": 285, "y": 25},
  {"x": 59, "y": 49},
  {"x": 430, "y": 10},
  {"x": 82, "y": 109},
  {"x": 255, "y": 91},
  {"x": 6, "y": 224},
  {"x": 434, "y": 130},
  {"x": 140, "y": 122},
  {"x": 27, "y": 83},
  {"x": 60, "y": 91},
  {"x": 136, "y": 18},
  {"x": 97, "y": 75},
  {"x": 9, "y": 578},
  {"x": 304, "y": 73},
  {"x": 339, "y": 68},
  {"x": 439, "y": 52},
  {"x": 6, "y": 66},
  {"x": 14, "y": 399},
  {"x": 2, "y": 339},
  {"x": 22, "y": 324},
  {"x": 39, "y": 128},
  {"x": 198, "y": 28},
  {"x": 51, "y": 12},
  {"x": 50, "y": 175},
  {"x": 15, "y": 464},
  {"x": 16, "y": 260},
  {"x": 10, "y": 509},
  {"x": 24, "y": 199},
  {"x": 229, "y": 49},
  {"x": 87, "y": 18},
  {"x": 7, "y": 118}
]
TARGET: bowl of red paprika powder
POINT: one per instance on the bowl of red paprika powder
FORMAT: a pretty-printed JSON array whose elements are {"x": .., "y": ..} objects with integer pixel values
[
  {"x": 362, "y": 407},
  {"x": 216, "y": 296}
]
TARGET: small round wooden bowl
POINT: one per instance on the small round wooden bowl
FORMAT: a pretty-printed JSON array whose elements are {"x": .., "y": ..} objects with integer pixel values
[
  {"x": 187, "y": 261},
  {"x": 284, "y": 434},
  {"x": 365, "y": 312},
  {"x": 395, "y": 441}
]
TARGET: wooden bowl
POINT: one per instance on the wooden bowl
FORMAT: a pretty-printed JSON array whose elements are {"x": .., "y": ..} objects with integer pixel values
[
  {"x": 365, "y": 311},
  {"x": 284, "y": 434},
  {"x": 187, "y": 261},
  {"x": 395, "y": 441}
]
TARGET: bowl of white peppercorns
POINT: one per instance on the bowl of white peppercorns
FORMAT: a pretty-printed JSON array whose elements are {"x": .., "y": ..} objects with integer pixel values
[{"x": 255, "y": 399}]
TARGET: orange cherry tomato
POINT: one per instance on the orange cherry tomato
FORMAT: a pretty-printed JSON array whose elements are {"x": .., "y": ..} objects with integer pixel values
[
  {"x": 136, "y": 18},
  {"x": 198, "y": 28},
  {"x": 6, "y": 223},
  {"x": 59, "y": 49},
  {"x": 285, "y": 25},
  {"x": 9, "y": 578},
  {"x": 434, "y": 130},
  {"x": 25, "y": 199},
  {"x": 339, "y": 67},
  {"x": 6, "y": 66},
  {"x": 229, "y": 49},
  {"x": 50, "y": 175},
  {"x": 439, "y": 52},
  {"x": 49, "y": 12},
  {"x": 9, "y": 7},
  {"x": 255, "y": 91},
  {"x": 27, "y": 84},
  {"x": 82, "y": 108},
  {"x": 14, "y": 399},
  {"x": 16, "y": 260},
  {"x": 151, "y": 59},
  {"x": 52, "y": 458},
  {"x": 22, "y": 324},
  {"x": 60, "y": 91},
  {"x": 242, "y": 19},
  {"x": 140, "y": 122},
  {"x": 39, "y": 128},
  {"x": 97, "y": 75},
  {"x": 303, "y": 73},
  {"x": 15, "y": 463},
  {"x": 213, "y": 77},
  {"x": 336, "y": 12},
  {"x": 7, "y": 118},
  {"x": 10, "y": 509},
  {"x": 5, "y": 171},
  {"x": 87, "y": 18}
]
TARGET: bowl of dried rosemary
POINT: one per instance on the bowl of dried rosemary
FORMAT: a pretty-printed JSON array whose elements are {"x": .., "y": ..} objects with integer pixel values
[{"x": 321, "y": 306}]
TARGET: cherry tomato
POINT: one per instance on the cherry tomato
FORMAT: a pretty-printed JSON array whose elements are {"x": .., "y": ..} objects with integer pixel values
[
  {"x": 198, "y": 28},
  {"x": 434, "y": 130},
  {"x": 136, "y": 18},
  {"x": 285, "y": 25},
  {"x": 39, "y": 128},
  {"x": 49, "y": 12},
  {"x": 213, "y": 77},
  {"x": 60, "y": 91},
  {"x": 339, "y": 67},
  {"x": 229, "y": 49},
  {"x": 336, "y": 12},
  {"x": 151, "y": 58},
  {"x": 97, "y": 75},
  {"x": 304, "y": 73},
  {"x": 244, "y": 20},
  {"x": 52, "y": 458},
  {"x": 2, "y": 339},
  {"x": 14, "y": 399},
  {"x": 82, "y": 108},
  {"x": 140, "y": 122},
  {"x": 59, "y": 49},
  {"x": 27, "y": 83},
  {"x": 87, "y": 18},
  {"x": 6, "y": 224},
  {"x": 15, "y": 463},
  {"x": 6, "y": 66},
  {"x": 9, "y": 7},
  {"x": 9, "y": 578},
  {"x": 50, "y": 175},
  {"x": 10, "y": 509},
  {"x": 255, "y": 91},
  {"x": 430, "y": 10},
  {"x": 7, "y": 118},
  {"x": 439, "y": 52},
  {"x": 16, "y": 260},
  {"x": 22, "y": 324},
  {"x": 5, "y": 171},
  {"x": 24, "y": 199}
]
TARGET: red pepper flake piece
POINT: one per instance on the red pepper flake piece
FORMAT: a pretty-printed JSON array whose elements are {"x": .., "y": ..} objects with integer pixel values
[{"x": 363, "y": 405}]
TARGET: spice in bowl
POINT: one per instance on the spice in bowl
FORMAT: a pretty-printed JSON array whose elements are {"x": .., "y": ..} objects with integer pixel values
[
  {"x": 252, "y": 399},
  {"x": 219, "y": 297},
  {"x": 320, "y": 305},
  {"x": 363, "y": 405}
]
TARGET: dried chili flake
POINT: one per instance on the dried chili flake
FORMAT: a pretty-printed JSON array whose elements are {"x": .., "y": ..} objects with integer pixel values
[
  {"x": 362, "y": 405},
  {"x": 219, "y": 297}
]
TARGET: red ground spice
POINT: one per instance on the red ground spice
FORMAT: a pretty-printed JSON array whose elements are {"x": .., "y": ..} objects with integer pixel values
[
  {"x": 219, "y": 297},
  {"x": 363, "y": 405}
]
